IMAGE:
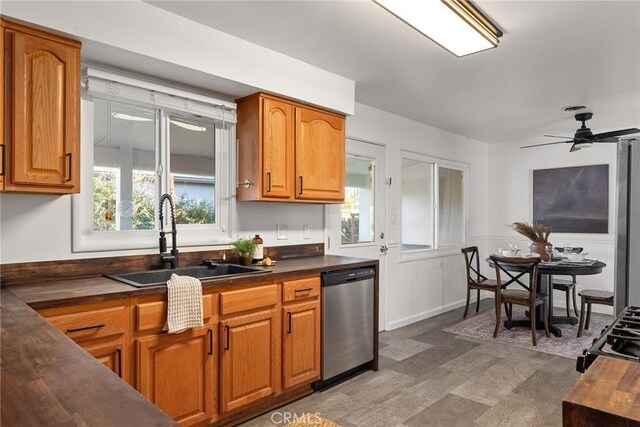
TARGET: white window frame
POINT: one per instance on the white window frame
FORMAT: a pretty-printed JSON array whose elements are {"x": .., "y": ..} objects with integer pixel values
[
  {"x": 438, "y": 249},
  {"x": 86, "y": 239}
]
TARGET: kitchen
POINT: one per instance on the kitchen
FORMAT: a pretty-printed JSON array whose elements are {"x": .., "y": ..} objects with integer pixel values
[{"x": 414, "y": 286}]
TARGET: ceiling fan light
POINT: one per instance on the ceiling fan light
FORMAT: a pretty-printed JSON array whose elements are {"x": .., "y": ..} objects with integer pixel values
[
  {"x": 456, "y": 25},
  {"x": 577, "y": 146}
]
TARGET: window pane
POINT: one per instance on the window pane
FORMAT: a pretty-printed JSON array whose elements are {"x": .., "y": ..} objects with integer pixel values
[
  {"x": 450, "y": 206},
  {"x": 124, "y": 163},
  {"x": 417, "y": 205},
  {"x": 192, "y": 149},
  {"x": 357, "y": 223}
]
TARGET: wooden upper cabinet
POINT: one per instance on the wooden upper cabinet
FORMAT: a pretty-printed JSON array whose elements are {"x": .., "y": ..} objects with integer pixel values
[
  {"x": 301, "y": 343},
  {"x": 283, "y": 143},
  {"x": 247, "y": 359},
  {"x": 42, "y": 111},
  {"x": 278, "y": 129},
  {"x": 320, "y": 156},
  {"x": 176, "y": 373}
]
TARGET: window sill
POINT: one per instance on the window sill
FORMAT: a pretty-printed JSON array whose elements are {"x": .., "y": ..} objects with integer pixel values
[{"x": 425, "y": 254}]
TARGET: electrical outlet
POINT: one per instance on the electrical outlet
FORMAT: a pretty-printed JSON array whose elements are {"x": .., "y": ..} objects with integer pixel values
[
  {"x": 306, "y": 231},
  {"x": 282, "y": 232}
]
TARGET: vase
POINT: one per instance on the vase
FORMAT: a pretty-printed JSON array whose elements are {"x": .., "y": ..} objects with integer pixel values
[
  {"x": 245, "y": 258},
  {"x": 540, "y": 248}
]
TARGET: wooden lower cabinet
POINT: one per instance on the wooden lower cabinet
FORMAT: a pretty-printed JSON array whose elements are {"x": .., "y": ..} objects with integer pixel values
[
  {"x": 300, "y": 343},
  {"x": 259, "y": 346},
  {"x": 248, "y": 370},
  {"x": 109, "y": 354},
  {"x": 176, "y": 373}
]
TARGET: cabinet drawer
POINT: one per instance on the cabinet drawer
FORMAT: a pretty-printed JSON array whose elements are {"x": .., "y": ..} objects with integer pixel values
[
  {"x": 300, "y": 289},
  {"x": 248, "y": 299},
  {"x": 153, "y": 315},
  {"x": 91, "y": 324}
]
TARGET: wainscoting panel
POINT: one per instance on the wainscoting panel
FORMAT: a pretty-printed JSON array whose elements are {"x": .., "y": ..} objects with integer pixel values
[
  {"x": 424, "y": 288},
  {"x": 427, "y": 287}
]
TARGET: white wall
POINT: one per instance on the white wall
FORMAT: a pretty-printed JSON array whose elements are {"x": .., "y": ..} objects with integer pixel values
[
  {"x": 147, "y": 31},
  {"x": 38, "y": 227},
  {"x": 424, "y": 287},
  {"x": 510, "y": 199}
]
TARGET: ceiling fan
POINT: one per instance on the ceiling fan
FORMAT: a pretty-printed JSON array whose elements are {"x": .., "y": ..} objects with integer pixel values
[{"x": 585, "y": 138}]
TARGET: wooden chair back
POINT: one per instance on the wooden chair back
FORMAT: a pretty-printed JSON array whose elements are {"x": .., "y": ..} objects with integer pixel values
[
  {"x": 472, "y": 260},
  {"x": 530, "y": 268}
]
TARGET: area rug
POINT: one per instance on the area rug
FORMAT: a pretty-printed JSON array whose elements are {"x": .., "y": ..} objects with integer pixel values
[
  {"x": 311, "y": 420},
  {"x": 568, "y": 345}
]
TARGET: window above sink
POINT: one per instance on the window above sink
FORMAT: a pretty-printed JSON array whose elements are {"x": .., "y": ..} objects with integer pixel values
[{"x": 141, "y": 140}]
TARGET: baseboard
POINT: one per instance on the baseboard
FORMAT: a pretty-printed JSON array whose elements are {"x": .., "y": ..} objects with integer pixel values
[
  {"x": 433, "y": 312},
  {"x": 595, "y": 308}
]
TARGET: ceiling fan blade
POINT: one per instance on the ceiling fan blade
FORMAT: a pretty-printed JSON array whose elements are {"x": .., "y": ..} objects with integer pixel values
[
  {"x": 606, "y": 135},
  {"x": 598, "y": 141},
  {"x": 556, "y": 136},
  {"x": 547, "y": 143}
]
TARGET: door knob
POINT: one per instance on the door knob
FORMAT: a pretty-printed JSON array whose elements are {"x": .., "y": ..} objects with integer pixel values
[{"x": 384, "y": 249}]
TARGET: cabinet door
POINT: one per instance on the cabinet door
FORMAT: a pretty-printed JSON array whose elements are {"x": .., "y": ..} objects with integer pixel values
[
  {"x": 45, "y": 115},
  {"x": 110, "y": 355},
  {"x": 248, "y": 359},
  {"x": 175, "y": 372},
  {"x": 301, "y": 343},
  {"x": 320, "y": 155},
  {"x": 277, "y": 149}
]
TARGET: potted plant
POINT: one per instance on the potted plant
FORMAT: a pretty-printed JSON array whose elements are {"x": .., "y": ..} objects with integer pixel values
[
  {"x": 244, "y": 248},
  {"x": 539, "y": 236}
]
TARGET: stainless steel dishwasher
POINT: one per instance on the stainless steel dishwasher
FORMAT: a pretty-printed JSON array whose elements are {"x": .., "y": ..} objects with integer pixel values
[{"x": 347, "y": 317}]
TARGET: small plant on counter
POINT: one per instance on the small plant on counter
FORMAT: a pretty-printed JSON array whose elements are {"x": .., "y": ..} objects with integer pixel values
[{"x": 244, "y": 248}]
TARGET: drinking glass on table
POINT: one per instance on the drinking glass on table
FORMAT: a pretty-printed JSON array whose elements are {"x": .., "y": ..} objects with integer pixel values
[{"x": 549, "y": 250}]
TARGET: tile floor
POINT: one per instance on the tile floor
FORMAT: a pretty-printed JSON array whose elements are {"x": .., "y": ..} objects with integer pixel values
[{"x": 428, "y": 377}]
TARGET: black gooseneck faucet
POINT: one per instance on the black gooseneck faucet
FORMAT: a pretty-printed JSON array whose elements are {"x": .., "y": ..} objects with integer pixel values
[{"x": 164, "y": 256}]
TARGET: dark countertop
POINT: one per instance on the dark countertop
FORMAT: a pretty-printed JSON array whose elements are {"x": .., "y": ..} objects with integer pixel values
[
  {"x": 98, "y": 288},
  {"x": 48, "y": 380}
]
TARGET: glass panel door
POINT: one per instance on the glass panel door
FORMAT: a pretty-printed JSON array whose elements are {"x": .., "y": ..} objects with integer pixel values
[{"x": 357, "y": 220}]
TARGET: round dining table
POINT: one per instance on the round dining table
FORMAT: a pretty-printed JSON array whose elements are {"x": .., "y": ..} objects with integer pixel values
[{"x": 546, "y": 271}]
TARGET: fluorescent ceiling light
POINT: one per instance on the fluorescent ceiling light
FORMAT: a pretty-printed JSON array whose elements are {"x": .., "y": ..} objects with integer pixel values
[
  {"x": 456, "y": 25},
  {"x": 129, "y": 117},
  {"x": 188, "y": 126}
]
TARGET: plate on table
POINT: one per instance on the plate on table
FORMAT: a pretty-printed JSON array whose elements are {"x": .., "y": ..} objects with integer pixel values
[{"x": 587, "y": 262}]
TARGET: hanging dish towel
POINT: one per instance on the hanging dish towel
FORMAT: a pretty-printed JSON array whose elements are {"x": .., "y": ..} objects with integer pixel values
[{"x": 184, "y": 309}]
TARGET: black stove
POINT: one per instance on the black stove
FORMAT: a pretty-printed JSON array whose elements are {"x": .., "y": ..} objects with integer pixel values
[{"x": 620, "y": 340}]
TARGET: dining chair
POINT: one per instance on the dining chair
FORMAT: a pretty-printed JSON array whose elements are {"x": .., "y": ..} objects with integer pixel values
[
  {"x": 475, "y": 279},
  {"x": 528, "y": 296},
  {"x": 568, "y": 286},
  {"x": 589, "y": 297}
]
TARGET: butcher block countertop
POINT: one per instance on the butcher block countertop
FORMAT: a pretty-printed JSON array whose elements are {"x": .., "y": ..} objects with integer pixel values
[
  {"x": 608, "y": 394},
  {"x": 49, "y": 380},
  {"x": 95, "y": 289},
  {"x": 46, "y": 379}
]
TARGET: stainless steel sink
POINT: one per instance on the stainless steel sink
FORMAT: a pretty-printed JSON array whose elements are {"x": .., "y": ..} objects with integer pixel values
[{"x": 142, "y": 279}]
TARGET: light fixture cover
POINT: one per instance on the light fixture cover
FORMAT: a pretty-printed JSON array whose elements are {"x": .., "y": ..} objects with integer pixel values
[
  {"x": 188, "y": 126},
  {"x": 130, "y": 117},
  {"x": 577, "y": 146},
  {"x": 456, "y": 25}
]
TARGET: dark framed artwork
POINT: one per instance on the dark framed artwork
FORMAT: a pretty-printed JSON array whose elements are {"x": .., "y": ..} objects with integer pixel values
[{"x": 573, "y": 199}]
